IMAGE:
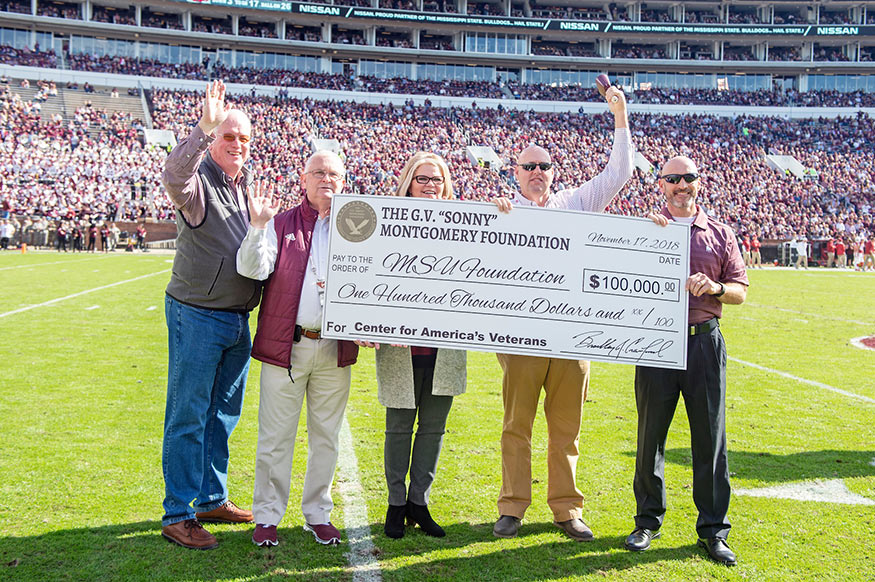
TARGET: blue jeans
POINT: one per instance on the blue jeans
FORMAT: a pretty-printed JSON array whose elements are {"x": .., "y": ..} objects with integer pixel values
[{"x": 206, "y": 378}]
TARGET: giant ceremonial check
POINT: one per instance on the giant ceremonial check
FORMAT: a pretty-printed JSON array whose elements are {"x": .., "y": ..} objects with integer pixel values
[{"x": 533, "y": 281}]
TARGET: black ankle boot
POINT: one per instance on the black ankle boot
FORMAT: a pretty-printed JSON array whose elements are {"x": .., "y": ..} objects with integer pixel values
[
  {"x": 394, "y": 527},
  {"x": 419, "y": 515}
]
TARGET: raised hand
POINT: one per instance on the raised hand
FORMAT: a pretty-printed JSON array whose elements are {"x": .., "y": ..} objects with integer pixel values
[
  {"x": 215, "y": 110},
  {"x": 616, "y": 100},
  {"x": 262, "y": 206}
]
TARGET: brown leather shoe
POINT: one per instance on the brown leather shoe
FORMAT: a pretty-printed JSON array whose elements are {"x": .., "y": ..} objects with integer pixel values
[
  {"x": 225, "y": 513},
  {"x": 576, "y": 529},
  {"x": 190, "y": 534}
]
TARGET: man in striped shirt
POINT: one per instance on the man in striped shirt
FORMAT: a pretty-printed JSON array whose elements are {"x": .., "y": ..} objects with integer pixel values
[
  {"x": 718, "y": 277},
  {"x": 565, "y": 382}
]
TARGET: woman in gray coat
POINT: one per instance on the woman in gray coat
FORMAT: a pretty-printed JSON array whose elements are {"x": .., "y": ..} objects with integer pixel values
[{"x": 414, "y": 382}]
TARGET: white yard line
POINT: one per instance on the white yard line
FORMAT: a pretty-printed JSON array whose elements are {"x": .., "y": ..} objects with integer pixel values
[
  {"x": 823, "y": 491},
  {"x": 807, "y": 314},
  {"x": 804, "y": 381},
  {"x": 52, "y": 263},
  {"x": 87, "y": 291},
  {"x": 365, "y": 567}
]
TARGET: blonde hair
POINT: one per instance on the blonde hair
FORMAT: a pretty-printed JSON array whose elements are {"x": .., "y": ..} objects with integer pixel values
[{"x": 418, "y": 159}]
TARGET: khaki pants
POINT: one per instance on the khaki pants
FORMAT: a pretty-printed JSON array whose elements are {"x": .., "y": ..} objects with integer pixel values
[
  {"x": 565, "y": 383},
  {"x": 326, "y": 387}
]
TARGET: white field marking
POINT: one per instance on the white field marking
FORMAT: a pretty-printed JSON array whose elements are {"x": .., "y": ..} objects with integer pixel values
[
  {"x": 830, "y": 491},
  {"x": 365, "y": 568},
  {"x": 806, "y": 314},
  {"x": 151, "y": 308},
  {"x": 92, "y": 307},
  {"x": 52, "y": 263},
  {"x": 168, "y": 260},
  {"x": 59, "y": 299},
  {"x": 804, "y": 381},
  {"x": 857, "y": 342}
]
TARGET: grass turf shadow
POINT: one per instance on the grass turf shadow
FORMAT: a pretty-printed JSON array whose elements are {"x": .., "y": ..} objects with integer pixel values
[
  {"x": 497, "y": 559},
  {"x": 136, "y": 551}
]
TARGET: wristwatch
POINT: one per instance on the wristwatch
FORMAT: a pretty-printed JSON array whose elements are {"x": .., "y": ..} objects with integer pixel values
[{"x": 722, "y": 290}]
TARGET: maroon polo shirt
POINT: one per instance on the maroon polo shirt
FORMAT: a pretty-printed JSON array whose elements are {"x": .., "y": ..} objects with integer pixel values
[{"x": 713, "y": 252}]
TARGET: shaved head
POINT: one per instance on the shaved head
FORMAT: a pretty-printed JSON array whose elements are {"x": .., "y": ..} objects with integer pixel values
[
  {"x": 680, "y": 198},
  {"x": 534, "y": 184}
]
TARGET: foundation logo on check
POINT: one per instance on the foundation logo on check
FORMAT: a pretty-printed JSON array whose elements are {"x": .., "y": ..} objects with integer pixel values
[{"x": 356, "y": 221}]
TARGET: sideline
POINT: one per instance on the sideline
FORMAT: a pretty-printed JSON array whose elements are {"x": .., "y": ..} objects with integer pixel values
[
  {"x": 53, "y": 263},
  {"x": 365, "y": 568},
  {"x": 804, "y": 381},
  {"x": 59, "y": 299}
]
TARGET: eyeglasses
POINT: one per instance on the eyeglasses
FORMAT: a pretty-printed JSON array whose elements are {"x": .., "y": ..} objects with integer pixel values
[
  {"x": 676, "y": 178},
  {"x": 530, "y": 166},
  {"x": 229, "y": 137},
  {"x": 321, "y": 174},
  {"x": 436, "y": 180}
]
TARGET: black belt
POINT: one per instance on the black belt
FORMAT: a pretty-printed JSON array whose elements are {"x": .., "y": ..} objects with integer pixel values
[
  {"x": 704, "y": 327},
  {"x": 308, "y": 333}
]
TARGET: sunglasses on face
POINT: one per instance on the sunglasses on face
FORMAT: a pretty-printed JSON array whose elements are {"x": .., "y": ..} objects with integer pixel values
[
  {"x": 676, "y": 178},
  {"x": 436, "y": 180},
  {"x": 229, "y": 137},
  {"x": 530, "y": 166}
]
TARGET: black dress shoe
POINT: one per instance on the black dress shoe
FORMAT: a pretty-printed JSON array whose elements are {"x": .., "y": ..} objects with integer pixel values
[
  {"x": 718, "y": 551},
  {"x": 419, "y": 515},
  {"x": 639, "y": 540},
  {"x": 394, "y": 526},
  {"x": 507, "y": 526}
]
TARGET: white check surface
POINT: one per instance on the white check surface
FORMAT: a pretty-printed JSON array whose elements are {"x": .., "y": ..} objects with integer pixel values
[{"x": 554, "y": 283}]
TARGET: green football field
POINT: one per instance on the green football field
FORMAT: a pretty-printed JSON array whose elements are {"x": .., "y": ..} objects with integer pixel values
[{"x": 82, "y": 389}]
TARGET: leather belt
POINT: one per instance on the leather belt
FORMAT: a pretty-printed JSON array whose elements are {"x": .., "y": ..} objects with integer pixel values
[
  {"x": 704, "y": 327},
  {"x": 313, "y": 334}
]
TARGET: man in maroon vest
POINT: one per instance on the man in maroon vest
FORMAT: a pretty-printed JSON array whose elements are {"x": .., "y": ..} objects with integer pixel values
[{"x": 290, "y": 251}]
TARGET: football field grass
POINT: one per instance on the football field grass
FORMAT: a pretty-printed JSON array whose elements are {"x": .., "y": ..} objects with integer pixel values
[{"x": 82, "y": 390}]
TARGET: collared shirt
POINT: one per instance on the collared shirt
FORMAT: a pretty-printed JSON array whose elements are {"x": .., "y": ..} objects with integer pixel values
[
  {"x": 257, "y": 257},
  {"x": 597, "y": 193},
  {"x": 713, "y": 252},
  {"x": 181, "y": 180}
]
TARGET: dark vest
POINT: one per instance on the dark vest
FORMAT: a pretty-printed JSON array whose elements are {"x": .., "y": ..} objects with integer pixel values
[
  {"x": 274, "y": 339},
  {"x": 205, "y": 267}
]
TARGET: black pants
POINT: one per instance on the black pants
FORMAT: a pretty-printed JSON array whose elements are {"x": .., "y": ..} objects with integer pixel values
[
  {"x": 432, "y": 412},
  {"x": 703, "y": 385}
]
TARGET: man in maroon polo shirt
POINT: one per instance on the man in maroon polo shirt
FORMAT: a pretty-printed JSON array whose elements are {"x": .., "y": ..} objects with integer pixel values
[{"x": 718, "y": 277}]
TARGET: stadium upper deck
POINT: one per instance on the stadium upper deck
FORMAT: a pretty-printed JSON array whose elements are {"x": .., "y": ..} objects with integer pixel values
[{"x": 658, "y": 44}]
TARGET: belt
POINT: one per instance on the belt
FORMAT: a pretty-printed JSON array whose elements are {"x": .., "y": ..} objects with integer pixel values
[
  {"x": 308, "y": 333},
  {"x": 704, "y": 327}
]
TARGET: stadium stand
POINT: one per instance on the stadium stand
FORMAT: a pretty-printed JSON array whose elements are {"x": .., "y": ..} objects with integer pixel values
[{"x": 80, "y": 153}]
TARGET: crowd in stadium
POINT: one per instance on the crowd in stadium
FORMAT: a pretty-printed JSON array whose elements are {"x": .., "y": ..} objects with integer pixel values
[
  {"x": 475, "y": 89},
  {"x": 92, "y": 166}
]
